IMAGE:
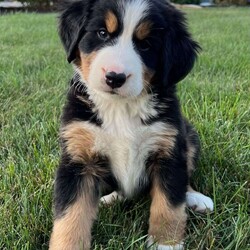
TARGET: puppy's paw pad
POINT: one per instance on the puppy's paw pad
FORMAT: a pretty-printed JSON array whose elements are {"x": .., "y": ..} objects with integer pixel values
[
  {"x": 110, "y": 198},
  {"x": 154, "y": 246},
  {"x": 199, "y": 202}
]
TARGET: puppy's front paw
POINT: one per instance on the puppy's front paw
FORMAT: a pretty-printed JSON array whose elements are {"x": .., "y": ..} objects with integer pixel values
[
  {"x": 151, "y": 245},
  {"x": 199, "y": 202}
]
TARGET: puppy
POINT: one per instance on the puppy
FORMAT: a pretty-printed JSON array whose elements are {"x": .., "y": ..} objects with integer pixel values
[{"x": 122, "y": 131}]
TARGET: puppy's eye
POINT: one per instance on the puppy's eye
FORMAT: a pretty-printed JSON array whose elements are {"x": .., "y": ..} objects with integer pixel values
[
  {"x": 144, "y": 45},
  {"x": 103, "y": 34}
]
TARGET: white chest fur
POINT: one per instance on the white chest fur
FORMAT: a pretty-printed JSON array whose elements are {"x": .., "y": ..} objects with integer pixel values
[
  {"x": 127, "y": 154},
  {"x": 124, "y": 139}
]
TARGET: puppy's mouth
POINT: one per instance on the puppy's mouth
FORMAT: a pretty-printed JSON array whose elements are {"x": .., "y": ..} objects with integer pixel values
[
  {"x": 112, "y": 92},
  {"x": 115, "y": 93}
]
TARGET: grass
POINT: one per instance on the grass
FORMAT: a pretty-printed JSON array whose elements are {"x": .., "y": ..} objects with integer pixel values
[{"x": 215, "y": 97}]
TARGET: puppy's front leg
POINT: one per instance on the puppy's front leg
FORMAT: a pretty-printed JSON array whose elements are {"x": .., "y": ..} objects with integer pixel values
[
  {"x": 76, "y": 204},
  {"x": 167, "y": 220},
  {"x": 166, "y": 223}
]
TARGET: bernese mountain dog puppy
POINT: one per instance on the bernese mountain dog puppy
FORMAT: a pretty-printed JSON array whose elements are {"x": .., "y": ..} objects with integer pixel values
[{"x": 122, "y": 131}]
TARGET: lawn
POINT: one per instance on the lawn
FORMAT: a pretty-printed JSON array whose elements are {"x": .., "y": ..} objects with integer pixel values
[{"x": 215, "y": 97}]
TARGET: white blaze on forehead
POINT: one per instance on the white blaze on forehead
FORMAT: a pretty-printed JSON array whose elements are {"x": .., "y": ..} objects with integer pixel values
[{"x": 134, "y": 11}]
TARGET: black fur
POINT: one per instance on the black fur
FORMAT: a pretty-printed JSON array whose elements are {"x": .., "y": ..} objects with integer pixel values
[
  {"x": 70, "y": 182},
  {"x": 170, "y": 172},
  {"x": 73, "y": 19},
  {"x": 75, "y": 109}
]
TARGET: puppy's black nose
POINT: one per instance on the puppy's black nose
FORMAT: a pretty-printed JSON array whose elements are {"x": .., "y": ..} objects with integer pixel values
[{"x": 115, "y": 80}]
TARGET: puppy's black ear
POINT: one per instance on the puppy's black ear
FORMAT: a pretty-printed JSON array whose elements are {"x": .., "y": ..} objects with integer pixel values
[
  {"x": 180, "y": 51},
  {"x": 72, "y": 23}
]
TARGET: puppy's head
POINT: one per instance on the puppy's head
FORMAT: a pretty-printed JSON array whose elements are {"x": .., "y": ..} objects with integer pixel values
[{"x": 123, "y": 47}]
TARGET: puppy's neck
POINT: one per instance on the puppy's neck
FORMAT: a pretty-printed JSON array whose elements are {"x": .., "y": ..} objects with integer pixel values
[{"x": 122, "y": 116}]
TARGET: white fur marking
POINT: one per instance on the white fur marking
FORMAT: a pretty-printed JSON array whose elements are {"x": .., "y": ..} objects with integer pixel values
[
  {"x": 134, "y": 12},
  {"x": 122, "y": 116},
  {"x": 199, "y": 202},
  {"x": 110, "y": 198},
  {"x": 154, "y": 246}
]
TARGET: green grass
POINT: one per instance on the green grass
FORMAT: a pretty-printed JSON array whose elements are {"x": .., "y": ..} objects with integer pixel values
[{"x": 215, "y": 97}]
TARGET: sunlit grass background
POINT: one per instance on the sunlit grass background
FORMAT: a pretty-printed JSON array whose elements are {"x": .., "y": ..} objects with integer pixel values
[{"x": 215, "y": 97}]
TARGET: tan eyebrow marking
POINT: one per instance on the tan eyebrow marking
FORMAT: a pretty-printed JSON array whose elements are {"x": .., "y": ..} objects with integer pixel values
[
  {"x": 143, "y": 30},
  {"x": 111, "y": 22}
]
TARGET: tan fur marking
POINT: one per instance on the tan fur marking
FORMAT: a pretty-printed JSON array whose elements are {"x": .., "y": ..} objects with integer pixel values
[
  {"x": 167, "y": 140},
  {"x": 166, "y": 223},
  {"x": 191, "y": 151},
  {"x": 111, "y": 22},
  {"x": 79, "y": 142},
  {"x": 73, "y": 230},
  {"x": 143, "y": 30},
  {"x": 85, "y": 63}
]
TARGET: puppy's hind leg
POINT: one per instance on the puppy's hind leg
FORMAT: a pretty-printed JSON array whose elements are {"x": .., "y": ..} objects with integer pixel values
[{"x": 195, "y": 200}]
